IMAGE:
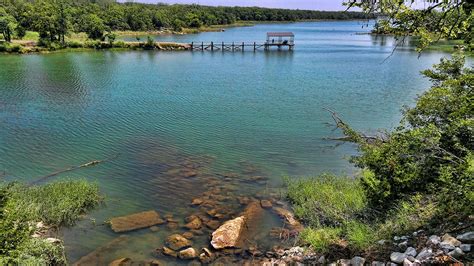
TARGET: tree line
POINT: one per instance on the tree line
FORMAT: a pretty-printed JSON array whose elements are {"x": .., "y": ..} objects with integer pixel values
[{"x": 53, "y": 19}]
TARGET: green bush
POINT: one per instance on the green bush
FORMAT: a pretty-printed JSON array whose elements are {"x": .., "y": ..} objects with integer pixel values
[
  {"x": 320, "y": 239},
  {"x": 408, "y": 216},
  {"x": 326, "y": 200},
  {"x": 3, "y": 47},
  {"x": 150, "y": 43},
  {"x": 120, "y": 44},
  {"x": 431, "y": 151},
  {"x": 14, "y": 48},
  {"x": 74, "y": 44}
]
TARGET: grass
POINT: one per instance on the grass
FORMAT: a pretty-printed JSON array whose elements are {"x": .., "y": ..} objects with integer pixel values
[
  {"x": 448, "y": 46},
  {"x": 326, "y": 200},
  {"x": 335, "y": 211},
  {"x": 360, "y": 235},
  {"x": 55, "y": 204},
  {"x": 321, "y": 239},
  {"x": 31, "y": 36}
]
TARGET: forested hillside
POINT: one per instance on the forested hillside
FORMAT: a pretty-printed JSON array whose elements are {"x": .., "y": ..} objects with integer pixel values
[{"x": 54, "y": 18}]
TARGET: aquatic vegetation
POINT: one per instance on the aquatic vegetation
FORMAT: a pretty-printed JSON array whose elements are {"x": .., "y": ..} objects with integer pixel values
[{"x": 55, "y": 204}]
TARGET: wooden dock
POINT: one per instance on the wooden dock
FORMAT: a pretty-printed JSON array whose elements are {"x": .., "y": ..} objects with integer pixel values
[
  {"x": 235, "y": 47},
  {"x": 274, "y": 39}
]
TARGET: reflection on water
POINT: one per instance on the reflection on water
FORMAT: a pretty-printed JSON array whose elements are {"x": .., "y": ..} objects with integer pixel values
[{"x": 222, "y": 127}]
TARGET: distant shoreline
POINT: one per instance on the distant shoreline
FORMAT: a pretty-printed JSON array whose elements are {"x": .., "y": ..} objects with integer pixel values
[{"x": 80, "y": 42}]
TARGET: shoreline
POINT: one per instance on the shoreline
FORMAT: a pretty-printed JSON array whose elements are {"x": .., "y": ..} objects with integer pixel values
[{"x": 78, "y": 42}]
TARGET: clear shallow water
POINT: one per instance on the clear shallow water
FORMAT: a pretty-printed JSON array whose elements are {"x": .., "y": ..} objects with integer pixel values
[{"x": 153, "y": 112}]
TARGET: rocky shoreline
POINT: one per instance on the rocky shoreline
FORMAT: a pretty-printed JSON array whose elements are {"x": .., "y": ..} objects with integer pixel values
[{"x": 224, "y": 225}]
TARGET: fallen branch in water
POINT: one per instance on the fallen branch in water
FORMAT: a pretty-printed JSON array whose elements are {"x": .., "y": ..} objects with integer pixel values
[
  {"x": 88, "y": 164},
  {"x": 350, "y": 135}
]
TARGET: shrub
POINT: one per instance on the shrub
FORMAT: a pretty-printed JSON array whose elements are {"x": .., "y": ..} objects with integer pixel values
[
  {"x": 408, "y": 216},
  {"x": 74, "y": 44},
  {"x": 326, "y": 199},
  {"x": 430, "y": 152},
  {"x": 3, "y": 47},
  {"x": 320, "y": 239},
  {"x": 150, "y": 43},
  {"x": 14, "y": 48},
  {"x": 120, "y": 44}
]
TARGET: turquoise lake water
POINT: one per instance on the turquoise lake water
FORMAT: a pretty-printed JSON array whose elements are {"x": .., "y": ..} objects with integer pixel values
[{"x": 154, "y": 112}]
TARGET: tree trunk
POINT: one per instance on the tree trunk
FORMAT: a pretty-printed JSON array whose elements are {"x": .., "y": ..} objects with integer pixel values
[{"x": 8, "y": 36}]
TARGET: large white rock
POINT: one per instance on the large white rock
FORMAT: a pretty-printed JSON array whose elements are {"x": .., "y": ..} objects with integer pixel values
[{"x": 228, "y": 234}]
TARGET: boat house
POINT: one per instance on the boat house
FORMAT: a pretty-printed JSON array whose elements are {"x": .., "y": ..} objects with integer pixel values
[{"x": 280, "y": 39}]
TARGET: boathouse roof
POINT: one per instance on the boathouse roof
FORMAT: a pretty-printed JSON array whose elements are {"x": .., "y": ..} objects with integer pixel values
[{"x": 280, "y": 34}]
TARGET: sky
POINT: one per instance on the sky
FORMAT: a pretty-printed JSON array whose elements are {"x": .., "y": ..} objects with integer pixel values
[{"x": 292, "y": 4}]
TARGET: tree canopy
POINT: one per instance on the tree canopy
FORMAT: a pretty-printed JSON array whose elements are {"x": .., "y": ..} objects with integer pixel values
[{"x": 434, "y": 20}]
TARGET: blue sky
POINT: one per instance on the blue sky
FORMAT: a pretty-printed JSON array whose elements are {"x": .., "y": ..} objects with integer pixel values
[{"x": 293, "y": 4}]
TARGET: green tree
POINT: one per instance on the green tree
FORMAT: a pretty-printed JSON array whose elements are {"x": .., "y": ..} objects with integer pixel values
[
  {"x": 94, "y": 26},
  {"x": 8, "y": 24},
  {"x": 51, "y": 18},
  {"x": 437, "y": 20},
  {"x": 432, "y": 150}
]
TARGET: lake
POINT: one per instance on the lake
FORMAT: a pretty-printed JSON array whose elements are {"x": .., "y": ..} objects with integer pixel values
[{"x": 175, "y": 125}]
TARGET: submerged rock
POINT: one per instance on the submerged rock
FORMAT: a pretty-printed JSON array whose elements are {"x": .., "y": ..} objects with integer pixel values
[
  {"x": 121, "y": 262},
  {"x": 177, "y": 242},
  {"x": 266, "y": 204},
  {"x": 194, "y": 224},
  {"x": 187, "y": 254},
  {"x": 228, "y": 234},
  {"x": 188, "y": 235},
  {"x": 213, "y": 224},
  {"x": 197, "y": 201},
  {"x": 135, "y": 221},
  {"x": 172, "y": 225},
  {"x": 169, "y": 252},
  {"x": 98, "y": 256},
  {"x": 289, "y": 218}
]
